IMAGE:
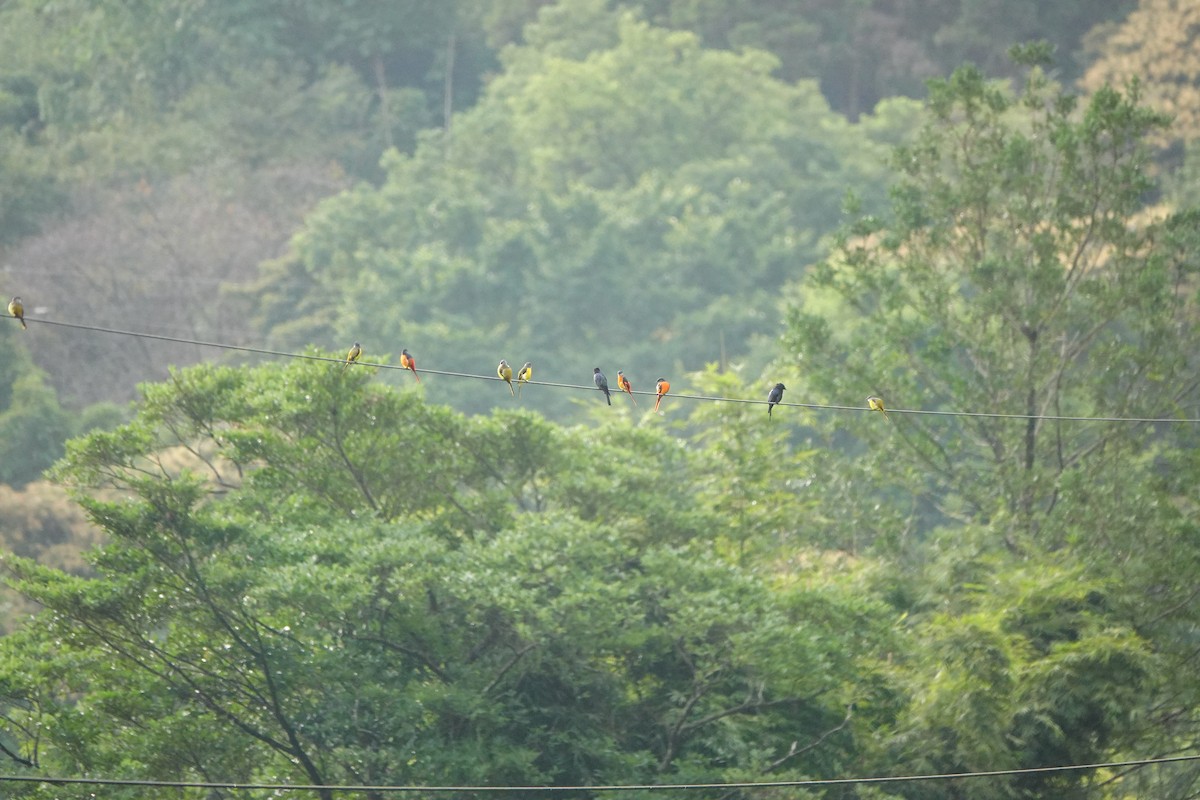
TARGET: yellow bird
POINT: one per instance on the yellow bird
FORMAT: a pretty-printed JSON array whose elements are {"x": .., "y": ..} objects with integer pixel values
[
  {"x": 352, "y": 356},
  {"x": 875, "y": 403},
  {"x": 505, "y": 373},
  {"x": 17, "y": 309},
  {"x": 524, "y": 374}
]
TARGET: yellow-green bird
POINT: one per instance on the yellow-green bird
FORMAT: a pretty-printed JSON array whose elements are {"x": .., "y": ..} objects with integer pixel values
[
  {"x": 352, "y": 356},
  {"x": 524, "y": 374},
  {"x": 875, "y": 403},
  {"x": 17, "y": 309},
  {"x": 505, "y": 373}
]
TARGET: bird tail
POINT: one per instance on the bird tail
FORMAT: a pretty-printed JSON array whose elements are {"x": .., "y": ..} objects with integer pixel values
[
  {"x": 514, "y": 391},
  {"x": 634, "y": 399},
  {"x": 24, "y": 327},
  {"x": 415, "y": 375}
]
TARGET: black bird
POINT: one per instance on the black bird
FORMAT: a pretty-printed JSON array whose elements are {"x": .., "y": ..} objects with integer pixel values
[
  {"x": 775, "y": 397},
  {"x": 601, "y": 383}
]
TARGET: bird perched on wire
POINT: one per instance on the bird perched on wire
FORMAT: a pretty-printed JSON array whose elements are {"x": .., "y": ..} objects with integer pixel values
[
  {"x": 601, "y": 383},
  {"x": 661, "y": 387},
  {"x": 408, "y": 362},
  {"x": 523, "y": 375},
  {"x": 17, "y": 309},
  {"x": 625, "y": 386},
  {"x": 775, "y": 397},
  {"x": 505, "y": 373},
  {"x": 352, "y": 356},
  {"x": 875, "y": 403}
]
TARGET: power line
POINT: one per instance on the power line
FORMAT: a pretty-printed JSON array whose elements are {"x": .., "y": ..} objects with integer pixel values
[
  {"x": 591, "y": 388},
  {"x": 646, "y": 787}
]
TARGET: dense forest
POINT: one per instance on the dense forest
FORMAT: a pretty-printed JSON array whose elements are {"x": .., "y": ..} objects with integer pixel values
[{"x": 226, "y": 557}]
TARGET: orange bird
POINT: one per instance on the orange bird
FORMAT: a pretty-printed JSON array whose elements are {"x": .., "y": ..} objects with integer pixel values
[
  {"x": 662, "y": 387},
  {"x": 624, "y": 385},
  {"x": 408, "y": 362}
]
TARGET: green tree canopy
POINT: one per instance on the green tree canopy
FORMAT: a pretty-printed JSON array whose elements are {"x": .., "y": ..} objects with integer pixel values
[
  {"x": 314, "y": 578},
  {"x": 865, "y": 51},
  {"x": 1016, "y": 275},
  {"x": 619, "y": 194},
  {"x": 33, "y": 427},
  {"x": 1019, "y": 282}
]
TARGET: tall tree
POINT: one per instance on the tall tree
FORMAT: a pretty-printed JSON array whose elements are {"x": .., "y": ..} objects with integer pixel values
[
  {"x": 1019, "y": 282},
  {"x": 1017, "y": 275},
  {"x": 313, "y": 578}
]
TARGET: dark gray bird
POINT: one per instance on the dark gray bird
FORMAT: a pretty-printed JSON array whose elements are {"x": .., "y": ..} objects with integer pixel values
[
  {"x": 601, "y": 383},
  {"x": 774, "y": 397}
]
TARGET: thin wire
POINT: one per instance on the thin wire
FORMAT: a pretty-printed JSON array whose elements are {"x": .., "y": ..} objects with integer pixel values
[
  {"x": 580, "y": 387},
  {"x": 646, "y": 787}
]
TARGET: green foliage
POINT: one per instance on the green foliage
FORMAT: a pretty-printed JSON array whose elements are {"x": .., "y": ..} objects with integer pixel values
[
  {"x": 1017, "y": 667},
  {"x": 866, "y": 51},
  {"x": 450, "y": 600},
  {"x": 312, "y": 577},
  {"x": 1010, "y": 278},
  {"x": 754, "y": 478},
  {"x": 32, "y": 425},
  {"x": 563, "y": 219},
  {"x": 862, "y": 52},
  {"x": 29, "y": 190},
  {"x": 1018, "y": 274}
]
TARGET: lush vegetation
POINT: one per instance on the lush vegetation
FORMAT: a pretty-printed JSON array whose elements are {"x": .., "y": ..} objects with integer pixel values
[{"x": 300, "y": 573}]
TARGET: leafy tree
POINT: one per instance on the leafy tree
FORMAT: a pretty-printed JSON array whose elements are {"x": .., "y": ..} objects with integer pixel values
[
  {"x": 101, "y": 62},
  {"x": 314, "y": 578},
  {"x": 652, "y": 228},
  {"x": 1018, "y": 278},
  {"x": 97, "y": 96},
  {"x": 1013, "y": 665},
  {"x": 861, "y": 52},
  {"x": 33, "y": 427},
  {"x": 753, "y": 476}
]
